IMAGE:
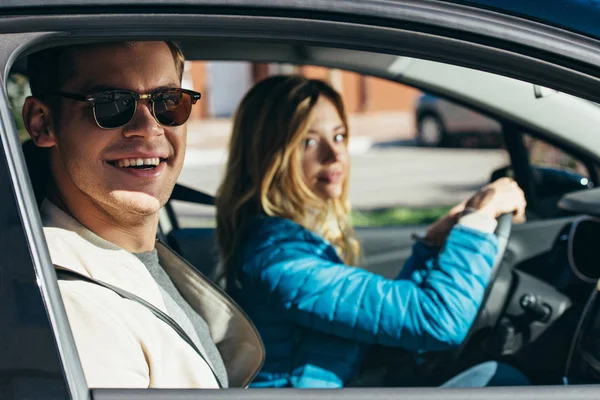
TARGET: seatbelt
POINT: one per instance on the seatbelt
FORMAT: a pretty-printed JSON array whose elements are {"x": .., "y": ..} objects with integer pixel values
[
  {"x": 63, "y": 273},
  {"x": 184, "y": 193}
]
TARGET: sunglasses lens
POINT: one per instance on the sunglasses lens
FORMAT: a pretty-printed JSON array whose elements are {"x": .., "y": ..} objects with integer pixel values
[
  {"x": 172, "y": 107},
  {"x": 114, "y": 109}
]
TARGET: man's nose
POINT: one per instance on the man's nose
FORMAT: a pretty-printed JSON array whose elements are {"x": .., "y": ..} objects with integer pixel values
[{"x": 143, "y": 123}]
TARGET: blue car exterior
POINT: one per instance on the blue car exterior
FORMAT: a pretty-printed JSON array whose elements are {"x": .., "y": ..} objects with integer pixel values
[{"x": 579, "y": 16}]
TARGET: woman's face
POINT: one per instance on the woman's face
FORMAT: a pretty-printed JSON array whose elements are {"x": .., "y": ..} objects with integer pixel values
[{"x": 325, "y": 160}]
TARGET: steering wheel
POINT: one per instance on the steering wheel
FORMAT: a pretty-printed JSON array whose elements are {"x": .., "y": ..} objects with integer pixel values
[
  {"x": 486, "y": 317},
  {"x": 502, "y": 232}
]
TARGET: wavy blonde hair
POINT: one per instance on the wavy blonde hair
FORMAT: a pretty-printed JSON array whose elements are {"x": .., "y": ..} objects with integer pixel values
[{"x": 264, "y": 173}]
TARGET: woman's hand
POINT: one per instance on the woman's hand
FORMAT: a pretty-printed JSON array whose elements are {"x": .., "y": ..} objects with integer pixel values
[
  {"x": 500, "y": 197},
  {"x": 497, "y": 198},
  {"x": 438, "y": 231}
]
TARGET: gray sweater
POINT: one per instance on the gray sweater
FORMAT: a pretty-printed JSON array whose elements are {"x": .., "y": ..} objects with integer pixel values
[{"x": 185, "y": 316}]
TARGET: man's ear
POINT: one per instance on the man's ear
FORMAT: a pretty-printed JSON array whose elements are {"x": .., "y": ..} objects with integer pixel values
[{"x": 38, "y": 122}]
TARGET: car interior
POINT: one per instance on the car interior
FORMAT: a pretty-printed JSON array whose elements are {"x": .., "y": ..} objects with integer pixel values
[
  {"x": 535, "y": 299},
  {"x": 539, "y": 298}
]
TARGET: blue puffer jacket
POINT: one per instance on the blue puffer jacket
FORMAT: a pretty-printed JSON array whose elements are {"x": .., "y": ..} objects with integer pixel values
[{"x": 316, "y": 315}]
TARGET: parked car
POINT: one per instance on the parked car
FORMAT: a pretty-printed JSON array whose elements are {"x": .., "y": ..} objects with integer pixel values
[
  {"x": 532, "y": 311},
  {"x": 441, "y": 122}
]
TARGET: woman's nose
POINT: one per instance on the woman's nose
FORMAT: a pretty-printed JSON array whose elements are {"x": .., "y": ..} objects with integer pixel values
[{"x": 332, "y": 152}]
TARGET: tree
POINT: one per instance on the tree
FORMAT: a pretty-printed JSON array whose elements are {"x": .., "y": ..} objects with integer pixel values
[{"x": 17, "y": 88}]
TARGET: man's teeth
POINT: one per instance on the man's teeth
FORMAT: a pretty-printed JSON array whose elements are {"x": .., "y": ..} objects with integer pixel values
[{"x": 137, "y": 162}]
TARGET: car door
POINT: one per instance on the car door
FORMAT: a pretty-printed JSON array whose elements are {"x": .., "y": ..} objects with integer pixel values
[
  {"x": 382, "y": 27},
  {"x": 37, "y": 356}
]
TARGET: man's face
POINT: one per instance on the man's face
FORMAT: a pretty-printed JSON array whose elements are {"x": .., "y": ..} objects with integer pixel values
[{"x": 89, "y": 163}]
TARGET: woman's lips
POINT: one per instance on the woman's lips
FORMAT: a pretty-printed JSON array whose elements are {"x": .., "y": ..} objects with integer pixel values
[{"x": 331, "y": 177}]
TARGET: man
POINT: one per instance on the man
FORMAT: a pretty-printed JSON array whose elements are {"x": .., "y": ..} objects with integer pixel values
[{"x": 111, "y": 118}]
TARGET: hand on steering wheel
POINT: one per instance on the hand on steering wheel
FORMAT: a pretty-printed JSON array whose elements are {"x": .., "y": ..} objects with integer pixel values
[
  {"x": 505, "y": 201},
  {"x": 499, "y": 197}
]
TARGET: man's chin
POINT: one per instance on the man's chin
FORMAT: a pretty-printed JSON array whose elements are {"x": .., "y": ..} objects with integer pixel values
[{"x": 137, "y": 202}]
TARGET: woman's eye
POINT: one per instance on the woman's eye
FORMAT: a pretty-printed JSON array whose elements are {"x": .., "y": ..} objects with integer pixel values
[
  {"x": 310, "y": 143},
  {"x": 340, "y": 137}
]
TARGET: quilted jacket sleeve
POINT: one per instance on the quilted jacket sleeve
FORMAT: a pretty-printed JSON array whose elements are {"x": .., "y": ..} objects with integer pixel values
[
  {"x": 419, "y": 260},
  {"x": 430, "y": 309}
]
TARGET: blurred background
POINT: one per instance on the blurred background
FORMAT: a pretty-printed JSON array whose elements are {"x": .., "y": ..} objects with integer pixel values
[{"x": 413, "y": 155}]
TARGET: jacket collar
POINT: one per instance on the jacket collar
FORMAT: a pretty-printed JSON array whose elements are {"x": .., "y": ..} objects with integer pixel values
[{"x": 234, "y": 334}]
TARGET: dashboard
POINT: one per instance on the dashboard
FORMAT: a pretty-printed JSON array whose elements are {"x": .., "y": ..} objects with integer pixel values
[{"x": 536, "y": 304}]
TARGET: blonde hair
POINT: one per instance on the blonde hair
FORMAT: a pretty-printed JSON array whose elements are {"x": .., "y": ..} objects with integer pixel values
[{"x": 264, "y": 173}]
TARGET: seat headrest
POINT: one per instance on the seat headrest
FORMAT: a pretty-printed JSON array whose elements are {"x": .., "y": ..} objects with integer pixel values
[{"x": 38, "y": 166}]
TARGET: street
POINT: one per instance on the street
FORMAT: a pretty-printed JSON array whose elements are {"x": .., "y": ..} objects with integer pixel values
[
  {"x": 381, "y": 177},
  {"x": 388, "y": 169}
]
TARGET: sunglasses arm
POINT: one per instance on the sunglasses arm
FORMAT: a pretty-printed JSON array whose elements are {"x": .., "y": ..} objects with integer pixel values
[{"x": 73, "y": 96}]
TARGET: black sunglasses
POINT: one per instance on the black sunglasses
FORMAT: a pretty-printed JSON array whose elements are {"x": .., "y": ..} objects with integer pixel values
[{"x": 115, "y": 108}]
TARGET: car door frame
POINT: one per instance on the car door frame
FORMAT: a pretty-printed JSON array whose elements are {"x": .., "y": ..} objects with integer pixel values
[
  {"x": 38, "y": 264},
  {"x": 432, "y": 25}
]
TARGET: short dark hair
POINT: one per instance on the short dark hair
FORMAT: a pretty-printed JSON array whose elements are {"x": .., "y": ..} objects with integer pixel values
[{"x": 49, "y": 69}]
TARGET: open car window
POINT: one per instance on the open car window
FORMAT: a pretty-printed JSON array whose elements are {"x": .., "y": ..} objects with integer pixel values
[
  {"x": 386, "y": 246},
  {"x": 415, "y": 154}
]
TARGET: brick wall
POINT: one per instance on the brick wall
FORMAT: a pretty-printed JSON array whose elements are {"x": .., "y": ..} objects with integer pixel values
[
  {"x": 197, "y": 71},
  {"x": 361, "y": 94}
]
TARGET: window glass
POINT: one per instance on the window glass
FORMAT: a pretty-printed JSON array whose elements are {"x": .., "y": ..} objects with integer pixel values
[
  {"x": 555, "y": 173},
  {"x": 414, "y": 155},
  {"x": 543, "y": 154}
]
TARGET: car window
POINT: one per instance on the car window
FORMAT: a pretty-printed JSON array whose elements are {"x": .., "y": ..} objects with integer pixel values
[
  {"x": 464, "y": 30},
  {"x": 554, "y": 173},
  {"x": 414, "y": 155},
  {"x": 543, "y": 154}
]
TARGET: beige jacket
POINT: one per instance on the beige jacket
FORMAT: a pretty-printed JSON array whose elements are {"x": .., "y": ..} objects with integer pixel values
[{"x": 121, "y": 344}]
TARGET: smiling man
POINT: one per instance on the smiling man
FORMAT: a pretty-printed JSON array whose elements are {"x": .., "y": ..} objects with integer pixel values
[{"x": 111, "y": 119}]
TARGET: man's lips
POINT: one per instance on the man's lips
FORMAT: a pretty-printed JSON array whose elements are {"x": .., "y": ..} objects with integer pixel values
[
  {"x": 118, "y": 155},
  {"x": 138, "y": 158},
  {"x": 139, "y": 163},
  {"x": 139, "y": 171}
]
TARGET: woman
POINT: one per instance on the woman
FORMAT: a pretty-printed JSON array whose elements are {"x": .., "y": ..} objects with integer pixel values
[{"x": 288, "y": 246}]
